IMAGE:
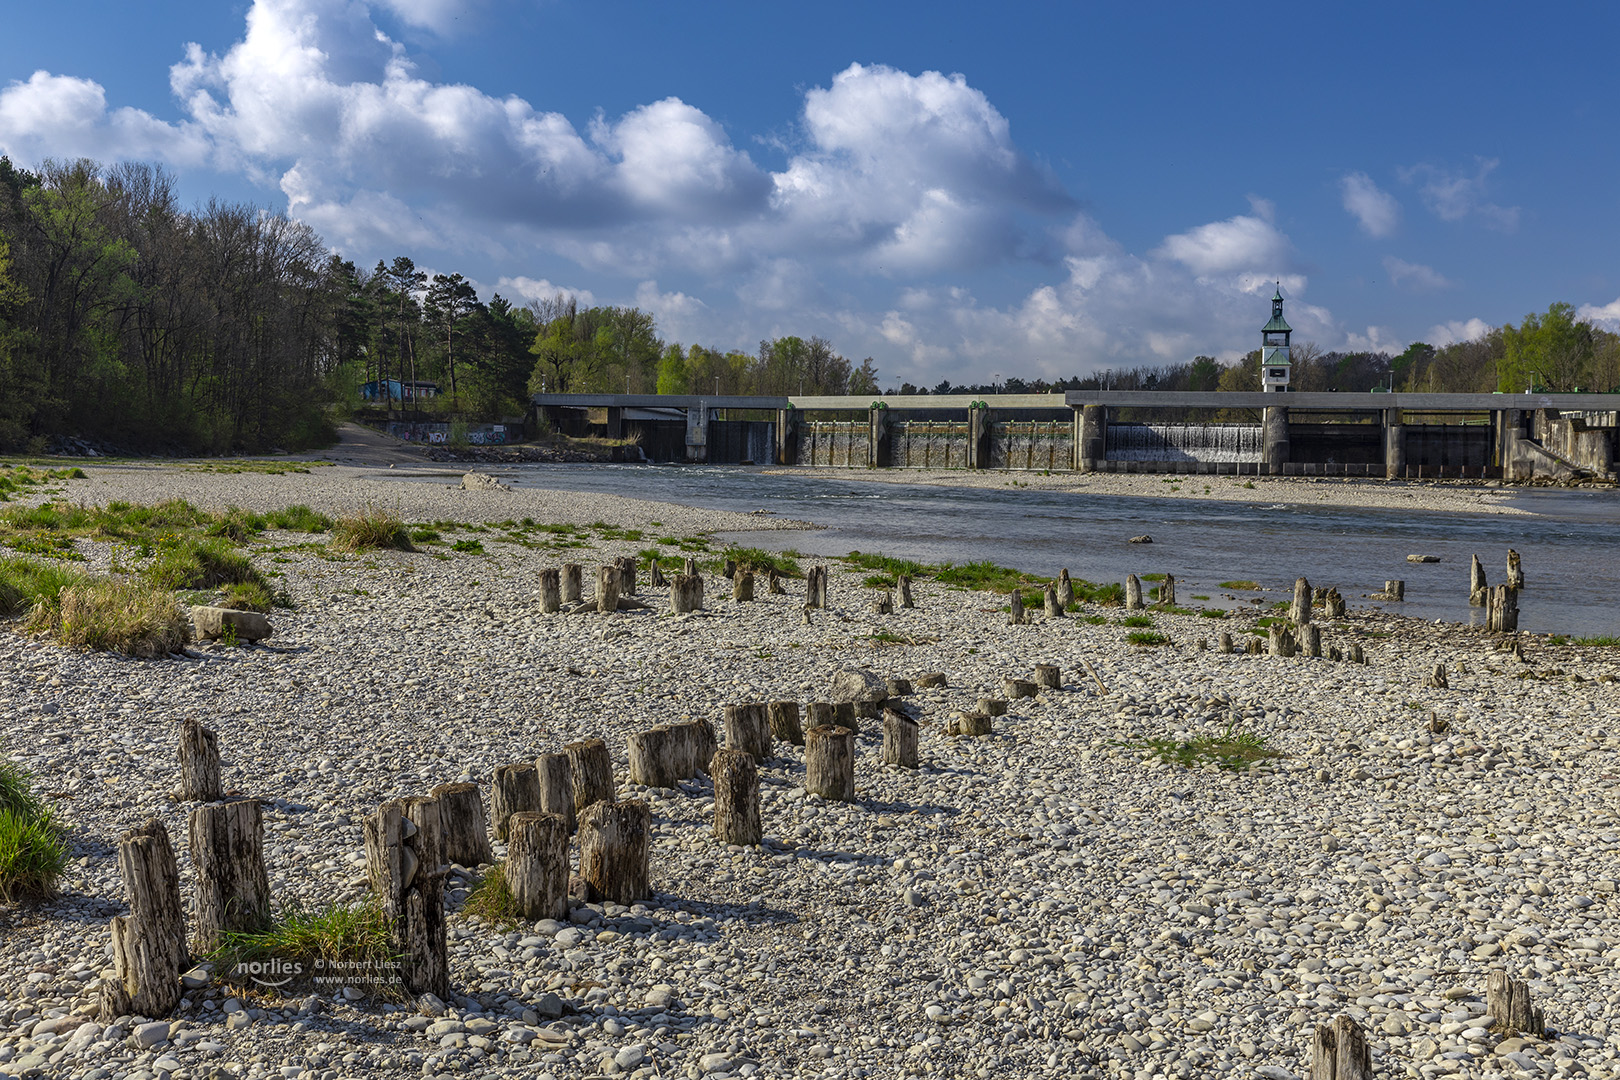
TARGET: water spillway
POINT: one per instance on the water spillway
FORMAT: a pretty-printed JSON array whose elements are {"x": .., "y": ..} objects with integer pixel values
[{"x": 1210, "y": 443}]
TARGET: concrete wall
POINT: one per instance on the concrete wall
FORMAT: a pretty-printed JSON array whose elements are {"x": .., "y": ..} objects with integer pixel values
[{"x": 1572, "y": 438}]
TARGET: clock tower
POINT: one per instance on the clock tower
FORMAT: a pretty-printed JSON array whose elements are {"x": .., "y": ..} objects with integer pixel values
[{"x": 1274, "y": 362}]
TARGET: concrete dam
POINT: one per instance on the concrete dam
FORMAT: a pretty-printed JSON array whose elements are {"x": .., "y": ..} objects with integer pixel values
[{"x": 1515, "y": 437}]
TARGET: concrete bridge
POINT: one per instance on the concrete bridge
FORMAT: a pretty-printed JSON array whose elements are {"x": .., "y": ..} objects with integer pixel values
[{"x": 1513, "y": 436}]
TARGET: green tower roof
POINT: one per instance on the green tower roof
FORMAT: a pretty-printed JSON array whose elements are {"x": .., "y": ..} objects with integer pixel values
[{"x": 1277, "y": 325}]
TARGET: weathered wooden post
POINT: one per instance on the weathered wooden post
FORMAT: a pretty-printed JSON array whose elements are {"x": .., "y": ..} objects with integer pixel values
[
  {"x": 898, "y": 687},
  {"x": 1133, "y": 593},
  {"x": 651, "y": 760},
  {"x": 773, "y": 583},
  {"x": 902, "y": 585},
  {"x": 1437, "y": 678},
  {"x": 846, "y": 715},
  {"x": 1477, "y": 585},
  {"x": 1013, "y": 689},
  {"x": 1282, "y": 641},
  {"x": 537, "y": 864},
  {"x": 1354, "y": 653},
  {"x": 592, "y": 771},
  {"x": 1048, "y": 676},
  {"x": 1502, "y": 609},
  {"x": 930, "y": 680},
  {"x": 816, "y": 587},
  {"x": 1339, "y": 1051},
  {"x": 613, "y": 851},
  {"x": 693, "y": 746},
  {"x": 1515, "y": 572},
  {"x": 784, "y": 716},
  {"x": 729, "y": 569},
  {"x": 573, "y": 582},
  {"x": 227, "y": 851},
  {"x": 403, "y": 853},
  {"x": 1167, "y": 591},
  {"x": 992, "y": 706},
  {"x": 1300, "y": 612},
  {"x": 1333, "y": 604},
  {"x": 655, "y": 574},
  {"x": 970, "y": 723},
  {"x": 464, "y": 824},
  {"x": 1054, "y": 606},
  {"x": 1394, "y": 590},
  {"x": 821, "y": 714},
  {"x": 1224, "y": 643},
  {"x": 686, "y": 593},
  {"x": 742, "y": 586},
  {"x": 513, "y": 789},
  {"x": 883, "y": 603},
  {"x": 199, "y": 763},
  {"x": 556, "y": 774},
  {"x": 149, "y": 944},
  {"x": 899, "y": 739},
  {"x": 1508, "y": 1001},
  {"x": 607, "y": 589},
  {"x": 748, "y": 728},
  {"x": 1065, "y": 587},
  {"x": 829, "y": 763},
  {"x": 1310, "y": 639},
  {"x": 736, "y": 797},
  {"x": 550, "y": 591},
  {"x": 690, "y": 567},
  {"x": 627, "y": 574},
  {"x": 1015, "y": 609}
]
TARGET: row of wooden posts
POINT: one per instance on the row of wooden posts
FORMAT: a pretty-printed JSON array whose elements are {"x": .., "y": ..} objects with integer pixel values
[{"x": 562, "y": 588}]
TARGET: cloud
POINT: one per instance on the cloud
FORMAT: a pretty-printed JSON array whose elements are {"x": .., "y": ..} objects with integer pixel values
[
  {"x": 1376, "y": 339},
  {"x": 1375, "y": 210},
  {"x": 65, "y": 117},
  {"x": 1450, "y": 333},
  {"x": 1240, "y": 244},
  {"x": 1421, "y": 278},
  {"x": 525, "y": 288},
  {"x": 1453, "y": 196}
]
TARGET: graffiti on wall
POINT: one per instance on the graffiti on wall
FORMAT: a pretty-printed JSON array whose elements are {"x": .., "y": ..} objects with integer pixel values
[{"x": 482, "y": 435}]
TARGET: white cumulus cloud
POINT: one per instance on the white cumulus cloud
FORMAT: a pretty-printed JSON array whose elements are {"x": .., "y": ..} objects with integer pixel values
[
  {"x": 60, "y": 116},
  {"x": 1452, "y": 195},
  {"x": 1239, "y": 245},
  {"x": 1450, "y": 333},
  {"x": 1415, "y": 275},
  {"x": 1374, "y": 209}
]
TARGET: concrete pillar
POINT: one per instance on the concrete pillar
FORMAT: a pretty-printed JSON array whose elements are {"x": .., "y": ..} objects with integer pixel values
[
  {"x": 880, "y": 450},
  {"x": 697, "y": 433},
  {"x": 1091, "y": 440},
  {"x": 1394, "y": 445},
  {"x": 1274, "y": 438},
  {"x": 979, "y": 438},
  {"x": 615, "y": 422},
  {"x": 787, "y": 436}
]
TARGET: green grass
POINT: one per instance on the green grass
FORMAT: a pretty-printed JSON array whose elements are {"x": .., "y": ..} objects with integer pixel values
[
  {"x": 371, "y": 530},
  {"x": 298, "y": 518},
  {"x": 206, "y": 563},
  {"x": 324, "y": 937},
  {"x": 491, "y": 900},
  {"x": 886, "y": 566},
  {"x": 271, "y": 468},
  {"x": 33, "y": 847},
  {"x": 24, "y": 583},
  {"x": 1214, "y": 613},
  {"x": 1152, "y": 577},
  {"x": 1110, "y": 595},
  {"x": 469, "y": 547},
  {"x": 984, "y": 576},
  {"x": 761, "y": 561},
  {"x": 1147, "y": 637},
  {"x": 1232, "y": 750},
  {"x": 113, "y": 614},
  {"x": 1239, "y": 585},
  {"x": 1136, "y": 620},
  {"x": 18, "y": 479},
  {"x": 425, "y": 535},
  {"x": 50, "y": 545},
  {"x": 1093, "y": 620},
  {"x": 1604, "y": 642}
]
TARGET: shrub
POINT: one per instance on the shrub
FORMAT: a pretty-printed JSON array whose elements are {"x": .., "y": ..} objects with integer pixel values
[
  {"x": 371, "y": 529},
  {"x": 120, "y": 615}
]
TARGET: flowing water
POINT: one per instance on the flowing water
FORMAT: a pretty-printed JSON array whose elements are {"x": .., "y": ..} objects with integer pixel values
[
  {"x": 1218, "y": 443},
  {"x": 1571, "y": 549}
]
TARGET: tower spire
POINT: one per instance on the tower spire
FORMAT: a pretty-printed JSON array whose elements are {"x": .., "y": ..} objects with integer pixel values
[{"x": 1275, "y": 365}]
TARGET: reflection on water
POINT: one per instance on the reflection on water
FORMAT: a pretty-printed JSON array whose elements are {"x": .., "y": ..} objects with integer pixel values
[{"x": 1571, "y": 554}]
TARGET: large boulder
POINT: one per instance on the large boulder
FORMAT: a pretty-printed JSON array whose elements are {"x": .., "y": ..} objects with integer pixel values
[
  {"x": 481, "y": 482},
  {"x": 210, "y": 623},
  {"x": 861, "y": 687}
]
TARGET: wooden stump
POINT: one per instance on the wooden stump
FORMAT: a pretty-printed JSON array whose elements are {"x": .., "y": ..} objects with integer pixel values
[
  {"x": 1224, "y": 643},
  {"x": 655, "y": 574},
  {"x": 748, "y": 728},
  {"x": 729, "y": 569},
  {"x": 693, "y": 746},
  {"x": 613, "y": 851},
  {"x": 1015, "y": 608},
  {"x": 1054, "y": 606},
  {"x": 1515, "y": 572},
  {"x": 1200, "y": 645},
  {"x": 401, "y": 860},
  {"x": 1282, "y": 641},
  {"x": 1354, "y": 653},
  {"x": 773, "y": 583},
  {"x": 829, "y": 763},
  {"x": 899, "y": 739},
  {"x": 686, "y": 594},
  {"x": 883, "y": 603},
  {"x": 573, "y": 582},
  {"x": 149, "y": 944},
  {"x": 846, "y": 715},
  {"x": 1048, "y": 676},
  {"x": 556, "y": 775},
  {"x": 651, "y": 758},
  {"x": 1300, "y": 612},
  {"x": 1333, "y": 605},
  {"x": 627, "y": 574},
  {"x": 592, "y": 771},
  {"x": 1340, "y": 1052},
  {"x": 1167, "y": 591},
  {"x": 464, "y": 823},
  {"x": 898, "y": 687},
  {"x": 816, "y": 587},
  {"x": 742, "y": 586},
  {"x": 550, "y": 591},
  {"x": 1502, "y": 609},
  {"x": 1334, "y": 654},
  {"x": 607, "y": 589},
  {"x": 820, "y": 714},
  {"x": 736, "y": 797},
  {"x": 1133, "y": 593},
  {"x": 1310, "y": 639},
  {"x": 227, "y": 852},
  {"x": 537, "y": 864},
  {"x": 514, "y": 789},
  {"x": 199, "y": 763},
  {"x": 1394, "y": 590},
  {"x": 1477, "y": 583},
  {"x": 785, "y": 722},
  {"x": 902, "y": 585},
  {"x": 1508, "y": 1001},
  {"x": 930, "y": 680},
  {"x": 973, "y": 724},
  {"x": 1065, "y": 588},
  {"x": 1254, "y": 646},
  {"x": 1013, "y": 689},
  {"x": 691, "y": 566},
  {"x": 992, "y": 706},
  {"x": 1437, "y": 678}
]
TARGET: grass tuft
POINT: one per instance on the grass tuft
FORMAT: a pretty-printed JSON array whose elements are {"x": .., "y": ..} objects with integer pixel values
[
  {"x": 1147, "y": 637},
  {"x": 298, "y": 518},
  {"x": 1239, "y": 585},
  {"x": 761, "y": 561},
  {"x": 371, "y": 530},
  {"x": 1231, "y": 750},
  {"x": 334, "y": 938},
  {"x": 491, "y": 899},
  {"x": 119, "y": 615},
  {"x": 33, "y": 847}
]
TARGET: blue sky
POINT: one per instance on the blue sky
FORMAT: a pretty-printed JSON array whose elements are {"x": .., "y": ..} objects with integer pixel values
[{"x": 955, "y": 190}]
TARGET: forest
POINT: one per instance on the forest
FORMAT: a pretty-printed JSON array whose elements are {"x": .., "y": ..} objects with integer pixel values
[{"x": 128, "y": 320}]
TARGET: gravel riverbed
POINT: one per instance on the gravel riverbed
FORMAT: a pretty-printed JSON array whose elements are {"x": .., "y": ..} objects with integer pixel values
[{"x": 1043, "y": 901}]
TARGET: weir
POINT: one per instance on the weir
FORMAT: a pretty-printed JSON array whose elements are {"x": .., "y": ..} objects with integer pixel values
[{"x": 1516, "y": 437}]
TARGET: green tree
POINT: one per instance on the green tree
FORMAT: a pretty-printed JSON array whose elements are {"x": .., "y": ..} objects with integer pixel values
[
  {"x": 672, "y": 374},
  {"x": 1551, "y": 352},
  {"x": 864, "y": 379}
]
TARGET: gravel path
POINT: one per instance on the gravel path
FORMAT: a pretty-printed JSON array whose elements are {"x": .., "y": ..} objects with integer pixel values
[{"x": 1039, "y": 902}]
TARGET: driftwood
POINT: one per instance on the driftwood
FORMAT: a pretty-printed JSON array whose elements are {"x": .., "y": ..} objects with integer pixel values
[
  {"x": 199, "y": 763},
  {"x": 573, "y": 582},
  {"x": 613, "y": 851},
  {"x": 537, "y": 865},
  {"x": 784, "y": 717},
  {"x": 514, "y": 789},
  {"x": 829, "y": 763},
  {"x": 1339, "y": 1051},
  {"x": 556, "y": 775},
  {"x": 149, "y": 944},
  {"x": 1048, "y": 677},
  {"x": 227, "y": 852},
  {"x": 1300, "y": 612},
  {"x": 464, "y": 824},
  {"x": 748, "y": 728},
  {"x": 1508, "y": 1000},
  {"x": 550, "y": 591},
  {"x": 1133, "y": 593},
  {"x": 402, "y": 859},
  {"x": 592, "y": 770},
  {"x": 736, "y": 797},
  {"x": 899, "y": 739}
]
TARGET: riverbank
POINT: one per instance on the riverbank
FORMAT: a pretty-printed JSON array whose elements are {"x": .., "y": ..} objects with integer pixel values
[{"x": 1047, "y": 900}]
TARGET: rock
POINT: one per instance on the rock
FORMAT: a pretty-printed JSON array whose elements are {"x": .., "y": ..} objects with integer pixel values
[
  {"x": 481, "y": 482},
  {"x": 630, "y": 1056},
  {"x": 715, "y": 1063},
  {"x": 209, "y": 623},
  {"x": 429, "y": 1005},
  {"x": 549, "y": 1005},
  {"x": 196, "y": 978},
  {"x": 1423, "y": 558},
  {"x": 1143, "y": 539},
  {"x": 913, "y": 898},
  {"x": 149, "y": 1035},
  {"x": 858, "y": 686}
]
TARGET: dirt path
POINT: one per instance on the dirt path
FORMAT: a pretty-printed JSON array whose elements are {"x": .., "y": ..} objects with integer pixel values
[{"x": 363, "y": 446}]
